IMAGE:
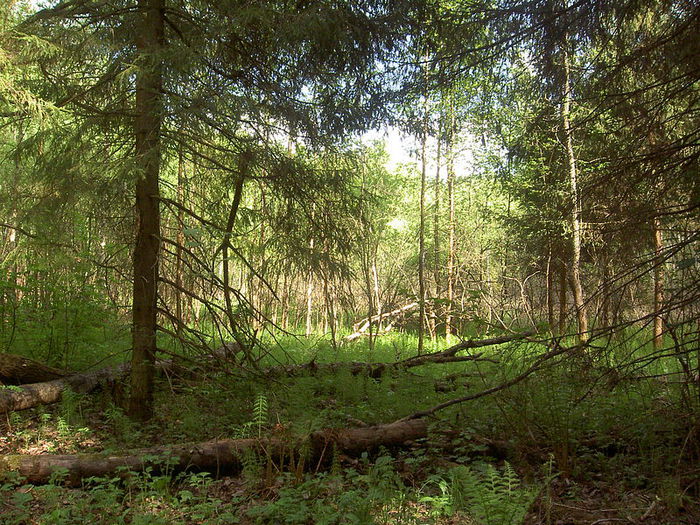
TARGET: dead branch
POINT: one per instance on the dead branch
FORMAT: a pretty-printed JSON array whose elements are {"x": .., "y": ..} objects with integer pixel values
[
  {"x": 362, "y": 326},
  {"x": 375, "y": 370},
  {"x": 517, "y": 379}
]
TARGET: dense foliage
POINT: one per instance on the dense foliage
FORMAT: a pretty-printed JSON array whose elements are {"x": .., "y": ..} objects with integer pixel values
[{"x": 179, "y": 175}]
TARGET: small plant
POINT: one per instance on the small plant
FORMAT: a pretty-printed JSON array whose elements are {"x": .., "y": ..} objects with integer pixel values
[
  {"x": 252, "y": 466},
  {"x": 489, "y": 496},
  {"x": 259, "y": 420},
  {"x": 260, "y": 412},
  {"x": 14, "y": 420},
  {"x": 71, "y": 407},
  {"x": 123, "y": 426}
]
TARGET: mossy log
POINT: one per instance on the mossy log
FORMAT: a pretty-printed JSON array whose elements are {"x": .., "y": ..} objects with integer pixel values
[
  {"x": 18, "y": 370},
  {"x": 25, "y": 396},
  {"x": 215, "y": 456}
]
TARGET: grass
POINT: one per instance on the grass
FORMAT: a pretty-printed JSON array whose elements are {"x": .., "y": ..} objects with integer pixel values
[{"x": 571, "y": 438}]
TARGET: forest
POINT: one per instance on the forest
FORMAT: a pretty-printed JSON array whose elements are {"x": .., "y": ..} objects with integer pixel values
[{"x": 350, "y": 262}]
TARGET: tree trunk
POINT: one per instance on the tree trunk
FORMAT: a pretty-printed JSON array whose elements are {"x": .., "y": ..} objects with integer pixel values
[
  {"x": 550, "y": 293},
  {"x": 579, "y": 302},
  {"x": 226, "y": 243},
  {"x": 180, "y": 240},
  {"x": 317, "y": 449},
  {"x": 658, "y": 285},
  {"x": 605, "y": 290},
  {"x": 562, "y": 297},
  {"x": 330, "y": 307},
  {"x": 421, "y": 229},
  {"x": 436, "y": 227},
  {"x": 377, "y": 297},
  {"x": 149, "y": 43},
  {"x": 309, "y": 297},
  {"x": 451, "y": 249}
]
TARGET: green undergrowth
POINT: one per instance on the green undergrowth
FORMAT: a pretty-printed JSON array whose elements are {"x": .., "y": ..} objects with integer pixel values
[
  {"x": 505, "y": 458},
  {"x": 373, "y": 491}
]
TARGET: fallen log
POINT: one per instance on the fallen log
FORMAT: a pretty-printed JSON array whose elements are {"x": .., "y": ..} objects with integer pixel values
[
  {"x": 42, "y": 393},
  {"x": 375, "y": 370},
  {"x": 28, "y": 396},
  {"x": 227, "y": 454},
  {"x": 446, "y": 356},
  {"x": 18, "y": 370},
  {"x": 361, "y": 327}
]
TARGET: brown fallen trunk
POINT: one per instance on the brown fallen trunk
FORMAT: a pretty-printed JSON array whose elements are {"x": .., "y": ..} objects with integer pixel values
[
  {"x": 43, "y": 393},
  {"x": 38, "y": 393},
  {"x": 18, "y": 370},
  {"x": 373, "y": 370},
  {"x": 315, "y": 450}
]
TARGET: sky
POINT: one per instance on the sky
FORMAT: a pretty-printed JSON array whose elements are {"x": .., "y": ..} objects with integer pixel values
[
  {"x": 402, "y": 149},
  {"x": 405, "y": 150}
]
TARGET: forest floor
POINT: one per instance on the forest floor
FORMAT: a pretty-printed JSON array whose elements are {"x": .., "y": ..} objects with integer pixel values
[{"x": 558, "y": 449}]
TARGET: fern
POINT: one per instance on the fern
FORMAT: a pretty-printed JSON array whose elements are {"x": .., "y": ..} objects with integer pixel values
[
  {"x": 258, "y": 421},
  {"x": 252, "y": 466},
  {"x": 71, "y": 407},
  {"x": 260, "y": 413},
  {"x": 490, "y": 496}
]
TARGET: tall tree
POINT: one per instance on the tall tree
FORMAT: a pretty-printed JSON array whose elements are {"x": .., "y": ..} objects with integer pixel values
[
  {"x": 150, "y": 41},
  {"x": 574, "y": 194},
  {"x": 452, "y": 240},
  {"x": 210, "y": 79}
]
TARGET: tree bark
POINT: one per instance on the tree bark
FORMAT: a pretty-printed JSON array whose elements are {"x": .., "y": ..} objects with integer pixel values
[
  {"x": 309, "y": 297},
  {"x": 44, "y": 393},
  {"x": 658, "y": 285},
  {"x": 605, "y": 290},
  {"x": 180, "y": 240},
  {"x": 579, "y": 302},
  {"x": 451, "y": 253},
  {"x": 436, "y": 226},
  {"x": 18, "y": 370},
  {"x": 149, "y": 42},
  {"x": 421, "y": 229},
  {"x": 562, "y": 297},
  {"x": 550, "y": 293},
  {"x": 226, "y": 243},
  {"x": 317, "y": 449}
]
